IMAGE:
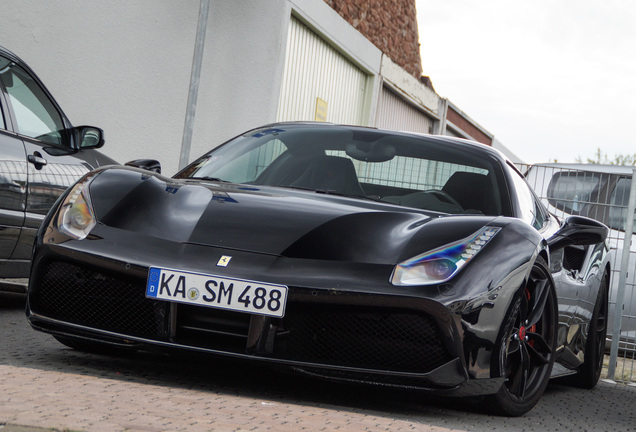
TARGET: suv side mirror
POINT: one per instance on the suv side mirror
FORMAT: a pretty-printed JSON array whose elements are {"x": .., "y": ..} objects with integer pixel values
[
  {"x": 147, "y": 164},
  {"x": 578, "y": 230},
  {"x": 88, "y": 137}
]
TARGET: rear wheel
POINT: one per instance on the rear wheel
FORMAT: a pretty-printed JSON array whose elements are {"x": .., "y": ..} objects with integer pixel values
[
  {"x": 590, "y": 371},
  {"x": 527, "y": 348}
]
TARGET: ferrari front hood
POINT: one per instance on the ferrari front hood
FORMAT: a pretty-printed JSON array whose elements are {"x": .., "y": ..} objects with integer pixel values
[{"x": 276, "y": 221}]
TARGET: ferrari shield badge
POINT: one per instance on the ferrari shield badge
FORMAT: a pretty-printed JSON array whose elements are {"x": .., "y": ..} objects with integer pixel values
[{"x": 223, "y": 261}]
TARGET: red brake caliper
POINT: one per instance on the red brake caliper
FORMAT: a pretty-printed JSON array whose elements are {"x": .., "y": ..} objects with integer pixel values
[{"x": 529, "y": 330}]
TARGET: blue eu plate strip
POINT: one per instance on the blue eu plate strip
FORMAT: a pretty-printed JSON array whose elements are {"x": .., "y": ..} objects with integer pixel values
[{"x": 152, "y": 288}]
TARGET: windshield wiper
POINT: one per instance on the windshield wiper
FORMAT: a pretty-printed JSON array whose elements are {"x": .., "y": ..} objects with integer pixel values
[
  {"x": 328, "y": 192},
  {"x": 325, "y": 191},
  {"x": 215, "y": 179},
  {"x": 309, "y": 189}
]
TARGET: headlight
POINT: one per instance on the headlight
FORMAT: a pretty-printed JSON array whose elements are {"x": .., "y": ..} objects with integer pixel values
[
  {"x": 443, "y": 263},
  {"x": 76, "y": 217}
]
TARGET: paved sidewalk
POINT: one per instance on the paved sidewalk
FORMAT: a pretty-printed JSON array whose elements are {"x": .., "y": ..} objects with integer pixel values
[
  {"x": 39, "y": 401},
  {"x": 67, "y": 401}
]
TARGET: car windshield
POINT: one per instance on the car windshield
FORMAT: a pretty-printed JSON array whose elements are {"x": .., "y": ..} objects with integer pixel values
[
  {"x": 598, "y": 195},
  {"x": 401, "y": 169},
  {"x": 573, "y": 191}
]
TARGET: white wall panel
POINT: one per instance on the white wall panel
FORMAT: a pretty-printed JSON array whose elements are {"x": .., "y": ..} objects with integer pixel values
[
  {"x": 397, "y": 114},
  {"x": 120, "y": 65},
  {"x": 314, "y": 69}
]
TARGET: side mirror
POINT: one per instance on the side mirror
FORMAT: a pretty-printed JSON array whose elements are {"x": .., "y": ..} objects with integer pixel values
[
  {"x": 88, "y": 137},
  {"x": 578, "y": 230},
  {"x": 147, "y": 164}
]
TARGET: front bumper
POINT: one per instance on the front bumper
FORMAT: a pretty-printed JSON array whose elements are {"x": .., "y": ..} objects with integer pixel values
[{"x": 360, "y": 334}]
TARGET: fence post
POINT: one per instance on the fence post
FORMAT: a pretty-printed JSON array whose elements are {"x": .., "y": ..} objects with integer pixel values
[{"x": 620, "y": 294}]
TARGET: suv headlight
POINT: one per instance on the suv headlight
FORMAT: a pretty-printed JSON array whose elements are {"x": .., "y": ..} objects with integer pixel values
[
  {"x": 441, "y": 264},
  {"x": 76, "y": 217}
]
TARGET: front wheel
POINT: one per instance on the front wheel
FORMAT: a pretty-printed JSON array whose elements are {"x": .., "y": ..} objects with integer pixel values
[{"x": 527, "y": 348}]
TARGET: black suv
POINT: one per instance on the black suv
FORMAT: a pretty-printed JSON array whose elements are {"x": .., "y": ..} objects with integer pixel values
[{"x": 41, "y": 154}]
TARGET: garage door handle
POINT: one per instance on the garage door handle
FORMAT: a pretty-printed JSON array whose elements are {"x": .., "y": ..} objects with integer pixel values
[{"x": 36, "y": 160}]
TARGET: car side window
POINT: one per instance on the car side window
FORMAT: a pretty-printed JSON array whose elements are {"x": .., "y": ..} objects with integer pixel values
[
  {"x": 531, "y": 209},
  {"x": 34, "y": 113}
]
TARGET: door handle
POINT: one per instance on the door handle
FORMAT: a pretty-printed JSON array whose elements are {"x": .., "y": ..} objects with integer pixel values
[{"x": 37, "y": 160}]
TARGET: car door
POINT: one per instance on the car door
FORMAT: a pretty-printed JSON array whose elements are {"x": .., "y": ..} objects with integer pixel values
[
  {"x": 13, "y": 176},
  {"x": 37, "y": 162}
]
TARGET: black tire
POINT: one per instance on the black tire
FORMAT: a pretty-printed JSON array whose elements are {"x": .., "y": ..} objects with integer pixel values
[
  {"x": 590, "y": 371},
  {"x": 93, "y": 347},
  {"x": 527, "y": 345}
]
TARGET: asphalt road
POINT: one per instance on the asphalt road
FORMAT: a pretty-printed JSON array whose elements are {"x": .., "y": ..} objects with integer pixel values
[{"x": 46, "y": 385}]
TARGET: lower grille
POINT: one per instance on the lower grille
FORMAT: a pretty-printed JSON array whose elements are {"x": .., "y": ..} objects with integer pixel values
[
  {"x": 393, "y": 341},
  {"x": 380, "y": 339},
  {"x": 212, "y": 328},
  {"x": 94, "y": 299}
]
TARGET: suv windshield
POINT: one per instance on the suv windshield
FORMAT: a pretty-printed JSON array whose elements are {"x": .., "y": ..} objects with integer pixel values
[
  {"x": 573, "y": 191},
  {"x": 618, "y": 205},
  {"x": 600, "y": 196}
]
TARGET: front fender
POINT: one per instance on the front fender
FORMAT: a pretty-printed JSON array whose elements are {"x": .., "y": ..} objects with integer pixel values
[{"x": 483, "y": 293}]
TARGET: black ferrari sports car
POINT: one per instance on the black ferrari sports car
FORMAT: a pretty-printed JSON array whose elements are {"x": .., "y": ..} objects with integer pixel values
[{"x": 346, "y": 253}]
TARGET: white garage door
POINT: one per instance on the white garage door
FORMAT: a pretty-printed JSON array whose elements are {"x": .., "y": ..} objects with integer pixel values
[
  {"x": 397, "y": 114},
  {"x": 319, "y": 83}
]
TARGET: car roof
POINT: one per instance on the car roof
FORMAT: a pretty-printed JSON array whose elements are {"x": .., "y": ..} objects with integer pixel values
[{"x": 596, "y": 168}]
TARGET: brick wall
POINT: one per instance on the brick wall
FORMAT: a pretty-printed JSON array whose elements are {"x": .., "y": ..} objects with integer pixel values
[
  {"x": 460, "y": 121},
  {"x": 391, "y": 25}
]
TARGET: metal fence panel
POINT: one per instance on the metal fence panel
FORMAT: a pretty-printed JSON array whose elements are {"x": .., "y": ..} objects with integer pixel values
[{"x": 602, "y": 193}]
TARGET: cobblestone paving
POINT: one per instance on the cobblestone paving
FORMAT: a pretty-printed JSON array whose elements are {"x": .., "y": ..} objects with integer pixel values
[
  {"x": 61, "y": 400},
  {"x": 46, "y": 385}
]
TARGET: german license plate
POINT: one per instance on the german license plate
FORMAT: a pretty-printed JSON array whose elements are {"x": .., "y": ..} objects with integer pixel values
[{"x": 216, "y": 292}]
